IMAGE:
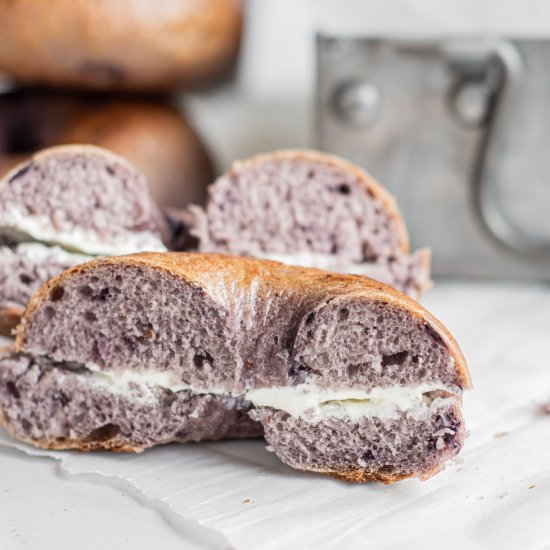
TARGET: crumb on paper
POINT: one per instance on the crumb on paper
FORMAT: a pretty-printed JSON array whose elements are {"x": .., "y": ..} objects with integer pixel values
[
  {"x": 532, "y": 486},
  {"x": 246, "y": 501},
  {"x": 502, "y": 495},
  {"x": 500, "y": 434}
]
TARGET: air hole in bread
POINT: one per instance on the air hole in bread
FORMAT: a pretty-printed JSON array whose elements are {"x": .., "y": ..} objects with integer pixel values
[
  {"x": 49, "y": 312},
  {"x": 395, "y": 358},
  {"x": 85, "y": 290},
  {"x": 200, "y": 358},
  {"x": 354, "y": 369},
  {"x": 102, "y": 296},
  {"x": 11, "y": 388},
  {"x": 367, "y": 455},
  {"x": 310, "y": 318},
  {"x": 56, "y": 293},
  {"x": 168, "y": 399},
  {"x": 104, "y": 433},
  {"x": 62, "y": 397},
  {"x": 344, "y": 189},
  {"x": 130, "y": 343},
  {"x": 90, "y": 316},
  {"x": 25, "y": 279},
  {"x": 343, "y": 314}
]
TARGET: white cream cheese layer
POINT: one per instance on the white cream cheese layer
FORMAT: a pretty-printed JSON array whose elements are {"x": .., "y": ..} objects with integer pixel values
[
  {"x": 312, "y": 403},
  {"x": 120, "y": 380},
  {"x": 38, "y": 252},
  {"x": 40, "y": 228},
  {"x": 306, "y": 401}
]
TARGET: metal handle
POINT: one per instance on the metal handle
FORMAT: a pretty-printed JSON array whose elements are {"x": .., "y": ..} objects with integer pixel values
[{"x": 486, "y": 174}]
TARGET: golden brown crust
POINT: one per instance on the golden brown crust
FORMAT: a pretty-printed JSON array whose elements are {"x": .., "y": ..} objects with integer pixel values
[
  {"x": 64, "y": 444},
  {"x": 120, "y": 45},
  {"x": 152, "y": 136},
  {"x": 387, "y": 477},
  {"x": 218, "y": 273},
  {"x": 59, "y": 150},
  {"x": 363, "y": 476},
  {"x": 362, "y": 176},
  {"x": 9, "y": 319}
]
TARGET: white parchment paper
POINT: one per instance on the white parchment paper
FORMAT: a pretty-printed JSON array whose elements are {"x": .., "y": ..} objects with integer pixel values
[{"x": 498, "y": 496}]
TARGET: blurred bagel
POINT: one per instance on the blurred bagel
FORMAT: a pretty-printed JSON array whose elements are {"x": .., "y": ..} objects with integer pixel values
[
  {"x": 153, "y": 136},
  {"x": 131, "y": 45}
]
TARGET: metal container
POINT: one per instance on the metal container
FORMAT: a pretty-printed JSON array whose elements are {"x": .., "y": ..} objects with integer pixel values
[{"x": 459, "y": 131}]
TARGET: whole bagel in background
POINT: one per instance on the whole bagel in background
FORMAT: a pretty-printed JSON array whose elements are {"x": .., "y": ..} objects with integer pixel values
[
  {"x": 130, "y": 45},
  {"x": 153, "y": 136}
]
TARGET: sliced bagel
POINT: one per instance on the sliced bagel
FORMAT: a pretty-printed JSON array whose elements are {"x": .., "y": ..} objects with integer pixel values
[
  {"x": 312, "y": 209},
  {"x": 346, "y": 376},
  {"x": 63, "y": 206}
]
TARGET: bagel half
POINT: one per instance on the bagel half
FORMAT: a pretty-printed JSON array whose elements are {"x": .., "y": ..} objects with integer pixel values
[
  {"x": 344, "y": 375},
  {"x": 312, "y": 209},
  {"x": 62, "y": 207}
]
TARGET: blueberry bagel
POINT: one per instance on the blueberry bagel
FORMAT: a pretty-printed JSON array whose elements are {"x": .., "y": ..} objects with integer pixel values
[
  {"x": 344, "y": 376},
  {"x": 62, "y": 207},
  {"x": 312, "y": 209}
]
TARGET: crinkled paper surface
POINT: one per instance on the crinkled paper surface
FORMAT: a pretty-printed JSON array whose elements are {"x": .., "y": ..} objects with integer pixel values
[{"x": 496, "y": 496}]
